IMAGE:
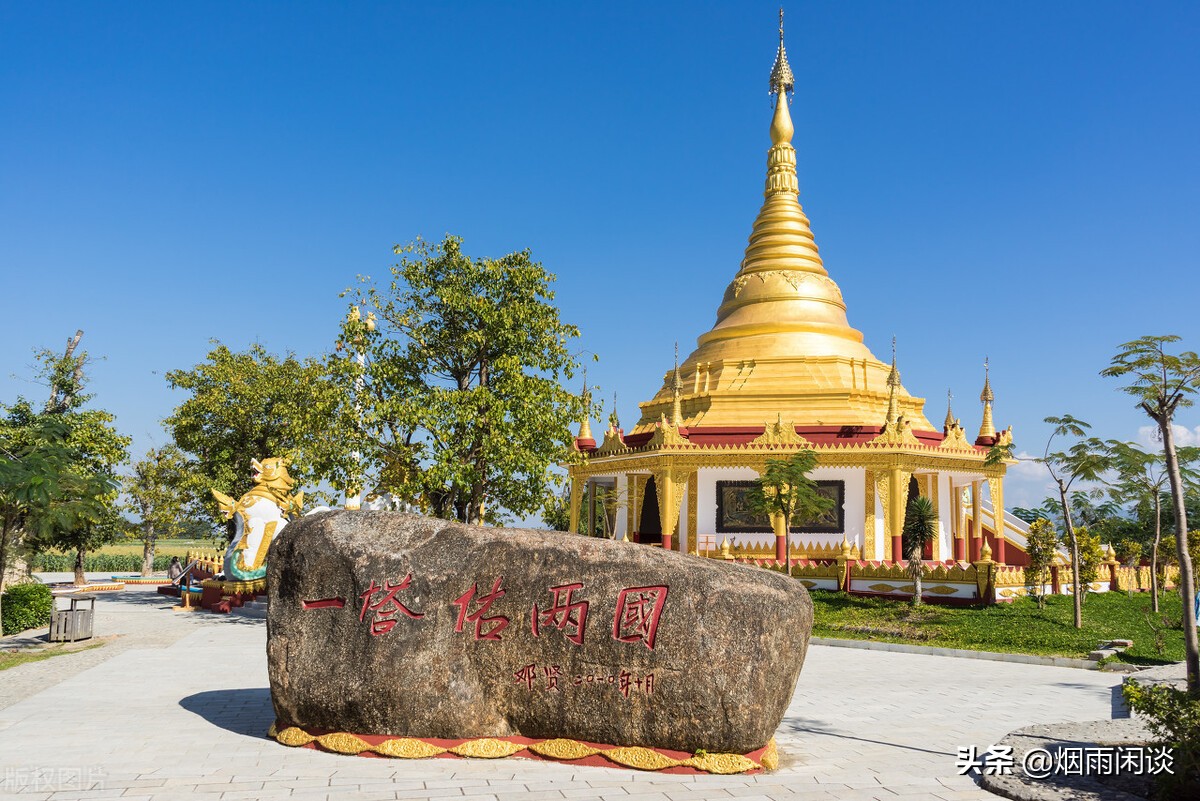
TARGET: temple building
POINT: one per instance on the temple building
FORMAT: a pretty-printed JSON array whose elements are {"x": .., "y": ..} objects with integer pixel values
[{"x": 783, "y": 369}]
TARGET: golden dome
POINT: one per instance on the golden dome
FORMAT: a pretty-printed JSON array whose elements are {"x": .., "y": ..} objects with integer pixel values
[{"x": 782, "y": 345}]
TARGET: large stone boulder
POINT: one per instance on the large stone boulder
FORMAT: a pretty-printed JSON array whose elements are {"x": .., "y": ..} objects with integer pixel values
[{"x": 385, "y": 623}]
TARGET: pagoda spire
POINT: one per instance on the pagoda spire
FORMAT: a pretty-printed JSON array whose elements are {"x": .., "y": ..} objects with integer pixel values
[
  {"x": 893, "y": 383},
  {"x": 585, "y": 426},
  {"x": 676, "y": 391},
  {"x": 949, "y": 423},
  {"x": 987, "y": 429},
  {"x": 782, "y": 286},
  {"x": 614, "y": 422}
]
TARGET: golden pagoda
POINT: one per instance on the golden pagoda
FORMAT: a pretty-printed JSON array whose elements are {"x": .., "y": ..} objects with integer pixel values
[{"x": 781, "y": 369}]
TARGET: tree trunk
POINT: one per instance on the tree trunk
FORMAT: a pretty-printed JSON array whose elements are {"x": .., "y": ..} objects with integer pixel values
[
  {"x": 3, "y": 565},
  {"x": 3, "y": 557},
  {"x": 1187, "y": 587},
  {"x": 1062, "y": 492},
  {"x": 80, "y": 579},
  {"x": 148, "y": 553},
  {"x": 1154, "y": 551}
]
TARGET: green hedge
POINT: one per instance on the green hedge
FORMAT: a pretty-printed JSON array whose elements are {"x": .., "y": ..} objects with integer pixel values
[
  {"x": 26, "y": 606},
  {"x": 95, "y": 563}
]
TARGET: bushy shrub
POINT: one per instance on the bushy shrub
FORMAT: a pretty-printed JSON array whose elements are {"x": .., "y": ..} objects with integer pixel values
[
  {"x": 1174, "y": 719},
  {"x": 26, "y": 606}
]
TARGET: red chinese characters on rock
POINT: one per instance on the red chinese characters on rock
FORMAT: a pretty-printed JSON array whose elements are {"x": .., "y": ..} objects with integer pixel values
[
  {"x": 565, "y": 614},
  {"x": 638, "y": 611},
  {"x": 627, "y": 680},
  {"x": 552, "y": 673},
  {"x": 384, "y": 610},
  {"x": 526, "y": 675},
  {"x": 498, "y": 623}
]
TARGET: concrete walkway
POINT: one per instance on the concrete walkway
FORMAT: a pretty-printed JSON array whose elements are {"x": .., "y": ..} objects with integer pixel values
[{"x": 177, "y": 707}]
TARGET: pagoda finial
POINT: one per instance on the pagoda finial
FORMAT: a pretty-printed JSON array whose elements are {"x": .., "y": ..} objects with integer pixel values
[
  {"x": 782, "y": 79},
  {"x": 987, "y": 428},
  {"x": 949, "y": 424},
  {"x": 585, "y": 426},
  {"x": 782, "y": 82},
  {"x": 613, "y": 421},
  {"x": 676, "y": 390}
]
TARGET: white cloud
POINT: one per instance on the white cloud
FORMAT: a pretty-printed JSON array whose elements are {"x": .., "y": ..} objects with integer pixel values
[
  {"x": 1148, "y": 436},
  {"x": 1026, "y": 483}
]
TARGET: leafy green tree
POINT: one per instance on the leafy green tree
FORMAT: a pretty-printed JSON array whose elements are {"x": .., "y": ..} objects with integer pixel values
[
  {"x": 458, "y": 390},
  {"x": 920, "y": 529},
  {"x": 1041, "y": 544},
  {"x": 41, "y": 490},
  {"x": 82, "y": 512},
  {"x": 1129, "y": 553},
  {"x": 785, "y": 492},
  {"x": 1091, "y": 556},
  {"x": 1162, "y": 383},
  {"x": 161, "y": 489},
  {"x": 1029, "y": 515},
  {"x": 255, "y": 405},
  {"x": 1086, "y": 460},
  {"x": 1141, "y": 479}
]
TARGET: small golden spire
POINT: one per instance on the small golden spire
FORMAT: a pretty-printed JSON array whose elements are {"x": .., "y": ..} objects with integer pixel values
[
  {"x": 893, "y": 382},
  {"x": 987, "y": 428},
  {"x": 613, "y": 421},
  {"x": 585, "y": 427},
  {"x": 949, "y": 423},
  {"x": 676, "y": 389}
]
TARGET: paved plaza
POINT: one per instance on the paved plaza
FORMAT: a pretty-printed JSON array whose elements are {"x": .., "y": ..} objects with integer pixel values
[{"x": 177, "y": 706}]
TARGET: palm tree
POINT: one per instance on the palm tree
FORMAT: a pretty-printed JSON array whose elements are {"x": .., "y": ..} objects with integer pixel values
[
  {"x": 785, "y": 492},
  {"x": 920, "y": 528}
]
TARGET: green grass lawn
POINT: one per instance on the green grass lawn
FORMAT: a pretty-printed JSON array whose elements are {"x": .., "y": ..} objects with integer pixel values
[
  {"x": 10, "y": 659},
  {"x": 1015, "y": 627}
]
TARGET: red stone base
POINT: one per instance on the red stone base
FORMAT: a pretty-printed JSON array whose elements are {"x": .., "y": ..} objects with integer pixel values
[{"x": 577, "y": 752}]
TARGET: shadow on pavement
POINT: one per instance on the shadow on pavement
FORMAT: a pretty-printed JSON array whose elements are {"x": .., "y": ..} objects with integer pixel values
[
  {"x": 245, "y": 711},
  {"x": 143, "y": 598}
]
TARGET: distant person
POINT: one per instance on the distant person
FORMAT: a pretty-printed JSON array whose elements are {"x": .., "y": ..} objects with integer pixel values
[{"x": 175, "y": 570}]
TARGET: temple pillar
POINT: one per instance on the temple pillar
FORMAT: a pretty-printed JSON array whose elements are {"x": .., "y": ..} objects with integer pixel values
[
  {"x": 779, "y": 526},
  {"x": 591, "y": 507},
  {"x": 960, "y": 523},
  {"x": 670, "y": 483},
  {"x": 576, "y": 491},
  {"x": 693, "y": 494},
  {"x": 976, "y": 520},
  {"x": 897, "y": 495},
  {"x": 996, "y": 487}
]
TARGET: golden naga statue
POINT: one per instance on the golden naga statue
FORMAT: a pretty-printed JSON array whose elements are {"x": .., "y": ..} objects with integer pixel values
[{"x": 260, "y": 515}]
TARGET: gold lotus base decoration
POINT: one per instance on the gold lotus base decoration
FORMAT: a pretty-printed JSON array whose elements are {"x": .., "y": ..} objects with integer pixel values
[{"x": 558, "y": 749}]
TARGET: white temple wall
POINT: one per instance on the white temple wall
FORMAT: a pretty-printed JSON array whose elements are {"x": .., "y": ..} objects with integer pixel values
[
  {"x": 946, "y": 511},
  {"x": 622, "y": 526}
]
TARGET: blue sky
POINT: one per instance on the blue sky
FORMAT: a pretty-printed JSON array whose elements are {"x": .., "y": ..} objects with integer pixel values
[{"x": 1014, "y": 180}]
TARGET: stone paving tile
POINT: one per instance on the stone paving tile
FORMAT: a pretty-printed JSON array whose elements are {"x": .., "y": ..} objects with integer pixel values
[{"x": 862, "y": 725}]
